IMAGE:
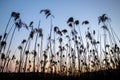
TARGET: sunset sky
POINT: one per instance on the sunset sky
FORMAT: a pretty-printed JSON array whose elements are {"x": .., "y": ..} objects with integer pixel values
[{"x": 62, "y": 9}]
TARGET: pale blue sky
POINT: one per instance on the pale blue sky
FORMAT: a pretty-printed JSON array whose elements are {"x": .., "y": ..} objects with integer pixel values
[{"x": 62, "y": 10}]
